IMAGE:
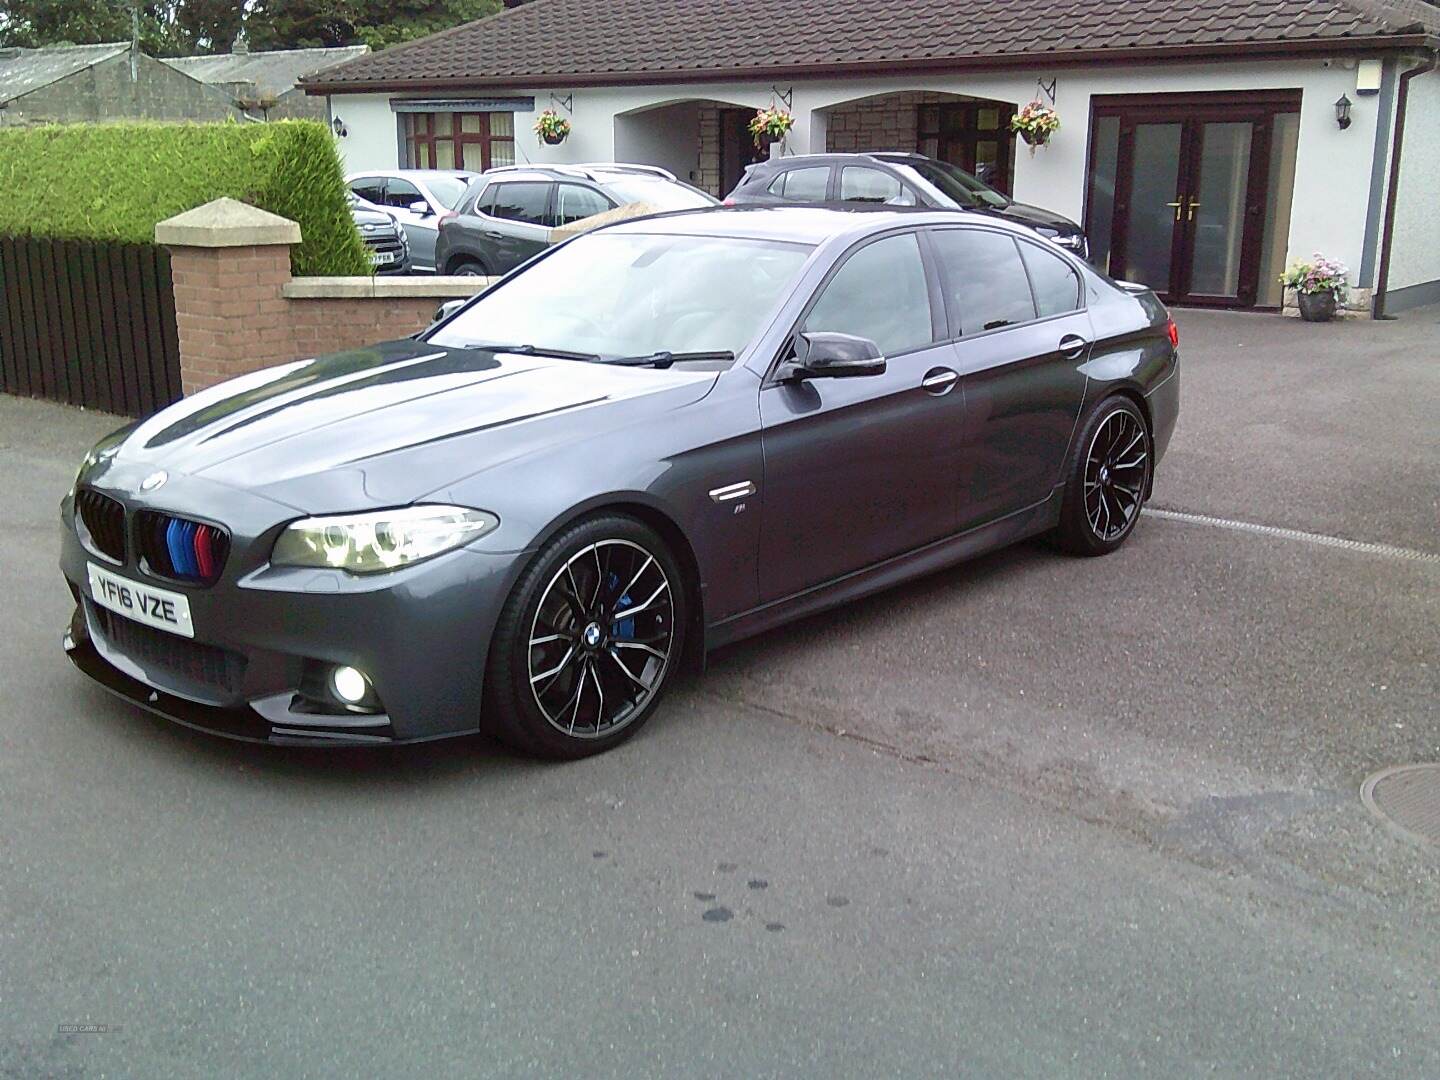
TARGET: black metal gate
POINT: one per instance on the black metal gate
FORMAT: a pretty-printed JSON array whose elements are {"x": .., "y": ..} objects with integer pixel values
[{"x": 88, "y": 323}]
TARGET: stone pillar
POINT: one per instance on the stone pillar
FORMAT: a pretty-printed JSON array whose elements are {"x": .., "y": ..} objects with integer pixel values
[{"x": 230, "y": 262}]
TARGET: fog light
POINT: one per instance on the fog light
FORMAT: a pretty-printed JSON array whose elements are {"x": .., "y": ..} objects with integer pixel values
[{"x": 349, "y": 685}]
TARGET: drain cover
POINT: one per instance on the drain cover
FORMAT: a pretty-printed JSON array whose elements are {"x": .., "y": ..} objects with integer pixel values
[{"x": 1407, "y": 797}]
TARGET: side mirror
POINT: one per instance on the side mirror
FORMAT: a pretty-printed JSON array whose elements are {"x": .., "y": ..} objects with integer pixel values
[
  {"x": 448, "y": 308},
  {"x": 823, "y": 355},
  {"x": 421, "y": 207}
]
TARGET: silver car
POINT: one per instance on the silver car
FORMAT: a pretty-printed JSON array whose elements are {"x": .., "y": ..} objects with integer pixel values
[{"x": 419, "y": 198}]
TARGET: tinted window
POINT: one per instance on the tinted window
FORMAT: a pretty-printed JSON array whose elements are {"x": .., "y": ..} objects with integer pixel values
[
  {"x": 522, "y": 201},
  {"x": 573, "y": 202},
  {"x": 802, "y": 185},
  {"x": 370, "y": 188},
  {"x": 1057, "y": 286},
  {"x": 985, "y": 280},
  {"x": 873, "y": 186},
  {"x": 401, "y": 193},
  {"x": 880, "y": 294}
]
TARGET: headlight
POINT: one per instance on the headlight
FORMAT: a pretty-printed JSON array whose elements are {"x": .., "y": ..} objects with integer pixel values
[
  {"x": 103, "y": 450},
  {"x": 384, "y": 540}
]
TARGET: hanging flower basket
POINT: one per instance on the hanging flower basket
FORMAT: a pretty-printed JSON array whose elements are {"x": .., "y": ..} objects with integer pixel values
[
  {"x": 1035, "y": 123},
  {"x": 552, "y": 128},
  {"x": 769, "y": 126}
]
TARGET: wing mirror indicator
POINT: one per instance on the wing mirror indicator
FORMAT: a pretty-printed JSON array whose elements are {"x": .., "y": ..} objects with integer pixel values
[{"x": 823, "y": 355}]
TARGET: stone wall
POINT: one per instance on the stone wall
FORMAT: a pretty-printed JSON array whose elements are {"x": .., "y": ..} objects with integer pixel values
[
  {"x": 709, "y": 179},
  {"x": 890, "y": 122}
]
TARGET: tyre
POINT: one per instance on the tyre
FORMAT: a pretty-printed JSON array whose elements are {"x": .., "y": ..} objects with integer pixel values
[
  {"x": 469, "y": 268},
  {"x": 588, "y": 640},
  {"x": 1107, "y": 479}
]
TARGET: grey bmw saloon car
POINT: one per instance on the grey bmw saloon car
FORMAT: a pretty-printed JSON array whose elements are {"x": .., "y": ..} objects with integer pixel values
[{"x": 651, "y": 440}]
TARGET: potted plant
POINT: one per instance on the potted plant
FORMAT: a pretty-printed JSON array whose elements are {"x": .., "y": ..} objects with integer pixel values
[
  {"x": 770, "y": 126},
  {"x": 1320, "y": 287},
  {"x": 552, "y": 128},
  {"x": 1036, "y": 122}
]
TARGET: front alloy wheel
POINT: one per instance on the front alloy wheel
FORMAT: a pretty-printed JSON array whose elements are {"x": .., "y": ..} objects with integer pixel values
[{"x": 587, "y": 641}]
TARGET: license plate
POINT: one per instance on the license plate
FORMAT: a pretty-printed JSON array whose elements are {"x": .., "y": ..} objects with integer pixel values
[
  {"x": 160, "y": 608},
  {"x": 382, "y": 258}
]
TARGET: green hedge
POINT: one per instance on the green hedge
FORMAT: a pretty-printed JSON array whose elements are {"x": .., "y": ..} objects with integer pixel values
[{"x": 115, "y": 181}]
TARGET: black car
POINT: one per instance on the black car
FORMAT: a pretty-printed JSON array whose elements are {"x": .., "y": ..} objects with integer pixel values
[
  {"x": 892, "y": 178},
  {"x": 656, "y": 438},
  {"x": 384, "y": 237},
  {"x": 506, "y": 215}
]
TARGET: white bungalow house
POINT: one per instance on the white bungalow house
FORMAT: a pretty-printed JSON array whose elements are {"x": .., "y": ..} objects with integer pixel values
[{"x": 1204, "y": 143}]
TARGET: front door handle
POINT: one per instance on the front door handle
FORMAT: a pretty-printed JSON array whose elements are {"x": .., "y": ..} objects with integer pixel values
[
  {"x": 939, "y": 381},
  {"x": 1073, "y": 346},
  {"x": 492, "y": 235}
]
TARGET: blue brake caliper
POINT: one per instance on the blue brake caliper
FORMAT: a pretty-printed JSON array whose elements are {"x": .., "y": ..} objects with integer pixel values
[{"x": 625, "y": 628}]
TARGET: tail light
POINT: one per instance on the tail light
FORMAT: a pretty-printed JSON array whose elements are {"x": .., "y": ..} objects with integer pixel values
[
  {"x": 727, "y": 202},
  {"x": 1174, "y": 332},
  {"x": 449, "y": 215}
]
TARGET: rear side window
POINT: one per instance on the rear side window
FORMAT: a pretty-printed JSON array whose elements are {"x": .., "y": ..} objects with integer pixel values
[
  {"x": 985, "y": 281},
  {"x": 573, "y": 202},
  {"x": 370, "y": 188},
  {"x": 802, "y": 185},
  {"x": 520, "y": 201},
  {"x": 880, "y": 294},
  {"x": 1057, "y": 286},
  {"x": 873, "y": 186}
]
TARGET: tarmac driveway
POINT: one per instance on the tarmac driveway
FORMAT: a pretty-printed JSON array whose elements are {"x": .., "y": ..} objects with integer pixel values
[{"x": 1029, "y": 816}]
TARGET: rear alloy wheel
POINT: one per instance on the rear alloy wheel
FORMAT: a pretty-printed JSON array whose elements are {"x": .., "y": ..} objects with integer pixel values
[
  {"x": 587, "y": 641},
  {"x": 1109, "y": 479},
  {"x": 469, "y": 269}
]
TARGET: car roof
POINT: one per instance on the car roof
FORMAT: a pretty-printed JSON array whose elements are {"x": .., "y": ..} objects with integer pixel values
[
  {"x": 796, "y": 224},
  {"x": 420, "y": 175}
]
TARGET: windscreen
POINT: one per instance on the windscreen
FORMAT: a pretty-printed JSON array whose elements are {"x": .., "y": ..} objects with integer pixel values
[
  {"x": 628, "y": 294},
  {"x": 447, "y": 189},
  {"x": 956, "y": 184},
  {"x": 657, "y": 191}
]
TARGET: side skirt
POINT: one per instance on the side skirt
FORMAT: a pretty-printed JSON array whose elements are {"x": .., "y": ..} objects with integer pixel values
[{"x": 1008, "y": 530}]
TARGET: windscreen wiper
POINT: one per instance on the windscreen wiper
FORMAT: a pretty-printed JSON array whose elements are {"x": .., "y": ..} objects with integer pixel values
[
  {"x": 530, "y": 350},
  {"x": 664, "y": 358}
]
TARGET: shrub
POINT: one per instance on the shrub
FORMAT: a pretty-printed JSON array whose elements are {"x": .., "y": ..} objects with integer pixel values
[{"x": 116, "y": 181}]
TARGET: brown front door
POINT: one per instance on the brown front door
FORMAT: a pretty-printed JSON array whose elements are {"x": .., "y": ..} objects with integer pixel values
[
  {"x": 737, "y": 148},
  {"x": 1179, "y": 192}
]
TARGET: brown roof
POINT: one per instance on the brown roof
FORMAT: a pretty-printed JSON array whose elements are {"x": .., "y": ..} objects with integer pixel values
[{"x": 597, "y": 42}]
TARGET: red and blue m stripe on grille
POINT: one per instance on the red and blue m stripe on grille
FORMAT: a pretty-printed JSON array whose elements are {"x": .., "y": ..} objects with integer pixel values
[{"x": 185, "y": 550}]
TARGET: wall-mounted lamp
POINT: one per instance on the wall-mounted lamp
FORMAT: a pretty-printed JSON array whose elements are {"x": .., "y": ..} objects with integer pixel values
[
  {"x": 338, "y": 126},
  {"x": 1342, "y": 112}
]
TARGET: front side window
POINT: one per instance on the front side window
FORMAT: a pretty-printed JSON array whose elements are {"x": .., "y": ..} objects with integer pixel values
[
  {"x": 574, "y": 201},
  {"x": 401, "y": 193},
  {"x": 1057, "y": 286},
  {"x": 520, "y": 201},
  {"x": 873, "y": 186},
  {"x": 985, "y": 281},
  {"x": 880, "y": 293},
  {"x": 632, "y": 294}
]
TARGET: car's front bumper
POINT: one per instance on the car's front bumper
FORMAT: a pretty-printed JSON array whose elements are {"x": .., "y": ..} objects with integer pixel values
[{"x": 421, "y": 634}]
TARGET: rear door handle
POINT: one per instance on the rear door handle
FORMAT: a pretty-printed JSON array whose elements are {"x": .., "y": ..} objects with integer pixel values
[
  {"x": 495, "y": 235},
  {"x": 1073, "y": 346},
  {"x": 939, "y": 381}
]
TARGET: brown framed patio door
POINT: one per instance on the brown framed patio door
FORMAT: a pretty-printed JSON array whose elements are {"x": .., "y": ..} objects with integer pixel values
[{"x": 1180, "y": 193}]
